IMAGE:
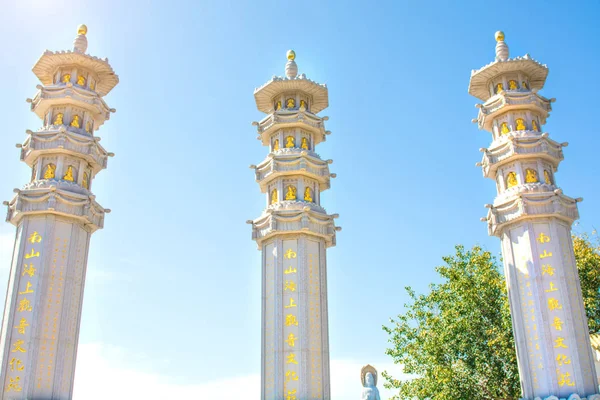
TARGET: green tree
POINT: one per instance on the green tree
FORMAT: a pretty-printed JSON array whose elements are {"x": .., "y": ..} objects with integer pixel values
[{"x": 457, "y": 339}]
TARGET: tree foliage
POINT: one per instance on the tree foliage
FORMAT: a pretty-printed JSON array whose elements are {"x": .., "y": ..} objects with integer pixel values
[{"x": 457, "y": 340}]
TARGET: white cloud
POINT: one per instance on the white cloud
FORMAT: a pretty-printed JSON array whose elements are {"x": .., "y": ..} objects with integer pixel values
[{"x": 102, "y": 372}]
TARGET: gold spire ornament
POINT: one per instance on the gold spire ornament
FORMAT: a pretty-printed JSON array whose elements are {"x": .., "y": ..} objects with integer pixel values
[
  {"x": 82, "y": 29},
  {"x": 499, "y": 36},
  {"x": 291, "y": 55}
]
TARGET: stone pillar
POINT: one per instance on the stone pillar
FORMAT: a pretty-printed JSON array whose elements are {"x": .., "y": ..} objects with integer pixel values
[
  {"x": 533, "y": 219},
  {"x": 55, "y": 215},
  {"x": 293, "y": 235}
]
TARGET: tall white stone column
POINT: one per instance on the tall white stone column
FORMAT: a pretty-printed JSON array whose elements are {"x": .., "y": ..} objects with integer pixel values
[
  {"x": 55, "y": 215},
  {"x": 533, "y": 218},
  {"x": 293, "y": 234}
]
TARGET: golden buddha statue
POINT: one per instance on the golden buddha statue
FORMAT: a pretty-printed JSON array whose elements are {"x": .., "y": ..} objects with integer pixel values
[
  {"x": 531, "y": 176},
  {"x": 511, "y": 180},
  {"x": 504, "y": 128},
  {"x": 88, "y": 126},
  {"x": 69, "y": 175},
  {"x": 304, "y": 143},
  {"x": 276, "y": 145},
  {"x": 302, "y": 105},
  {"x": 58, "y": 120},
  {"x": 499, "y": 88},
  {"x": 307, "y": 196},
  {"x": 81, "y": 80},
  {"x": 547, "y": 178},
  {"x": 85, "y": 181},
  {"x": 290, "y": 142},
  {"x": 92, "y": 85},
  {"x": 291, "y": 103},
  {"x": 521, "y": 124},
  {"x": 278, "y": 106},
  {"x": 524, "y": 85},
  {"x": 49, "y": 172},
  {"x": 291, "y": 193},
  {"x": 66, "y": 78},
  {"x": 512, "y": 85},
  {"x": 534, "y": 125},
  {"x": 75, "y": 122},
  {"x": 274, "y": 196}
]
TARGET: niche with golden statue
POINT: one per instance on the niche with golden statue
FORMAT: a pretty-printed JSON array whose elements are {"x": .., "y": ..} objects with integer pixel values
[
  {"x": 85, "y": 181},
  {"x": 69, "y": 174},
  {"x": 304, "y": 144},
  {"x": 75, "y": 121},
  {"x": 274, "y": 196},
  {"x": 291, "y": 192},
  {"x": 49, "y": 171},
  {"x": 308, "y": 195},
  {"x": 58, "y": 119},
  {"x": 548, "y": 177},
  {"x": 275, "y": 144},
  {"x": 521, "y": 124},
  {"x": 511, "y": 180},
  {"x": 290, "y": 103},
  {"x": 531, "y": 176},
  {"x": 290, "y": 142}
]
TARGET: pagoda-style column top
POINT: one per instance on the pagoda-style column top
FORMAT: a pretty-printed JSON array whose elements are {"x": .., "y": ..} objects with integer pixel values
[
  {"x": 50, "y": 62},
  {"x": 265, "y": 95},
  {"x": 479, "y": 85}
]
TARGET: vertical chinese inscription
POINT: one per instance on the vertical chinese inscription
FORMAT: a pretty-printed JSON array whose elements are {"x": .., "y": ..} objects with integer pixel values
[
  {"x": 551, "y": 271},
  {"x": 21, "y": 335},
  {"x": 291, "y": 340}
]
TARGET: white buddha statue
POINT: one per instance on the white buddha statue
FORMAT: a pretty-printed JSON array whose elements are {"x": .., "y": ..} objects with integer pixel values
[{"x": 369, "y": 381}]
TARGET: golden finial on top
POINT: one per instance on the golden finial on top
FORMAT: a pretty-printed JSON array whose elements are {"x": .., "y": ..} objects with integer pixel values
[
  {"x": 499, "y": 36},
  {"x": 82, "y": 29},
  {"x": 291, "y": 55}
]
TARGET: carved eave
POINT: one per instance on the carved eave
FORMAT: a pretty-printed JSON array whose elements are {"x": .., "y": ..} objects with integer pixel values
[
  {"x": 294, "y": 218},
  {"x": 62, "y": 141},
  {"x": 292, "y": 162},
  {"x": 291, "y": 119},
  {"x": 511, "y": 100},
  {"x": 518, "y": 146},
  {"x": 71, "y": 95},
  {"x": 51, "y": 200},
  {"x": 479, "y": 84},
  {"x": 265, "y": 95},
  {"x": 530, "y": 205},
  {"x": 45, "y": 68}
]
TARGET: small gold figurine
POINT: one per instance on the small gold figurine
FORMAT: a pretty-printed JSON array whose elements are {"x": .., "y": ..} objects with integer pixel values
[
  {"x": 290, "y": 142},
  {"x": 534, "y": 125},
  {"x": 524, "y": 85},
  {"x": 291, "y": 103},
  {"x": 88, "y": 126},
  {"x": 504, "y": 128},
  {"x": 81, "y": 80},
  {"x": 58, "y": 120},
  {"x": 512, "y": 85},
  {"x": 521, "y": 124},
  {"x": 531, "y": 176},
  {"x": 69, "y": 175},
  {"x": 511, "y": 180},
  {"x": 302, "y": 105},
  {"x": 278, "y": 106},
  {"x": 304, "y": 143},
  {"x": 92, "y": 85},
  {"x": 499, "y": 88},
  {"x": 66, "y": 78},
  {"x": 85, "y": 181},
  {"x": 547, "y": 177},
  {"x": 75, "y": 122},
  {"x": 274, "y": 196},
  {"x": 49, "y": 172},
  {"x": 307, "y": 196},
  {"x": 276, "y": 145},
  {"x": 291, "y": 193}
]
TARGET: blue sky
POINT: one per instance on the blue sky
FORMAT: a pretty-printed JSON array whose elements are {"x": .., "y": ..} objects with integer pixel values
[{"x": 173, "y": 287}]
